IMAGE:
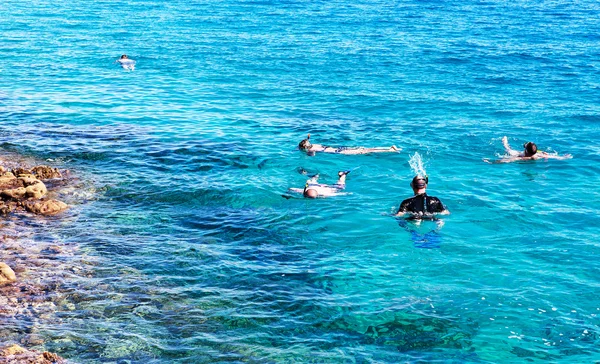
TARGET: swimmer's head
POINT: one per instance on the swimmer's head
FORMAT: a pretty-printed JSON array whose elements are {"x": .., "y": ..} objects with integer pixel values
[
  {"x": 124, "y": 56},
  {"x": 305, "y": 143},
  {"x": 530, "y": 149},
  {"x": 419, "y": 182},
  {"x": 311, "y": 193}
]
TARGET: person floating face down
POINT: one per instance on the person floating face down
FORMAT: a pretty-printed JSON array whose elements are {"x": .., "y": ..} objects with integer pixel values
[
  {"x": 313, "y": 189},
  {"x": 421, "y": 206},
  {"x": 311, "y": 149}
]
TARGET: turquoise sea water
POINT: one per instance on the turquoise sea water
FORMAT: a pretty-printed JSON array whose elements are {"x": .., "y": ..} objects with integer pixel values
[{"x": 193, "y": 255}]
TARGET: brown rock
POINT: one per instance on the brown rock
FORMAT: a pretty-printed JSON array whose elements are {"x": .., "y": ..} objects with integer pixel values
[
  {"x": 20, "y": 170},
  {"x": 8, "y": 175},
  {"x": 14, "y": 193},
  {"x": 8, "y": 180},
  {"x": 7, "y": 275},
  {"x": 37, "y": 190},
  {"x": 45, "y": 172},
  {"x": 27, "y": 179},
  {"x": 5, "y": 208},
  {"x": 16, "y": 354},
  {"x": 12, "y": 350},
  {"x": 52, "y": 358},
  {"x": 47, "y": 207}
]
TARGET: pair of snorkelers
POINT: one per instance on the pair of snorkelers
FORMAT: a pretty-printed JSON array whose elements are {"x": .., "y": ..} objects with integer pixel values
[
  {"x": 313, "y": 189},
  {"x": 422, "y": 206},
  {"x": 530, "y": 152}
]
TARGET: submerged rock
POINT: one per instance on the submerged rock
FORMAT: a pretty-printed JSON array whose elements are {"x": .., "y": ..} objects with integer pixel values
[
  {"x": 17, "y": 354},
  {"x": 48, "y": 207},
  {"x": 7, "y": 275},
  {"x": 45, "y": 172},
  {"x": 26, "y": 301},
  {"x": 5, "y": 208}
]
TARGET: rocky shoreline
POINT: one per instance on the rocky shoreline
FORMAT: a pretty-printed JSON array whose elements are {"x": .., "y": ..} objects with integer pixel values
[
  {"x": 28, "y": 276},
  {"x": 17, "y": 354},
  {"x": 24, "y": 189}
]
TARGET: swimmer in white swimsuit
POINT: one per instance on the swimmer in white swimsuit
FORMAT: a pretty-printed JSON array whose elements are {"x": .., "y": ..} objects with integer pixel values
[{"x": 126, "y": 62}]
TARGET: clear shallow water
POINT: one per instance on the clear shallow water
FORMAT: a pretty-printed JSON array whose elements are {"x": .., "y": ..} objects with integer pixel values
[{"x": 196, "y": 256}]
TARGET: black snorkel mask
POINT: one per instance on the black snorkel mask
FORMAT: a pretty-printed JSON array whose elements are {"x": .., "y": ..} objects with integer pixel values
[{"x": 419, "y": 182}]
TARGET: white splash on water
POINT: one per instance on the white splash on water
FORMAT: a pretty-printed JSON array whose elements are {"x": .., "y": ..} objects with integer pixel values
[{"x": 416, "y": 164}]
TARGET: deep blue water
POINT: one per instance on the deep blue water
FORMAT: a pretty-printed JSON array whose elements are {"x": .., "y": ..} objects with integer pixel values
[{"x": 193, "y": 254}]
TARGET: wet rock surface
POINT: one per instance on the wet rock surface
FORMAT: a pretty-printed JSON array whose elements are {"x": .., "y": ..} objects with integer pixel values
[
  {"x": 23, "y": 189},
  {"x": 7, "y": 275},
  {"x": 35, "y": 269},
  {"x": 17, "y": 354}
]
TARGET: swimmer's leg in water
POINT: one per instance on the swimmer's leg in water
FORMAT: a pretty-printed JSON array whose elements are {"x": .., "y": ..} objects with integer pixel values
[{"x": 342, "y": 178}]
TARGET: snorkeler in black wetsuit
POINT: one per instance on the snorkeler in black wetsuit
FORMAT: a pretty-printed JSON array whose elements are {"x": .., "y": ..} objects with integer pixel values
[{"x": 421, "y": 206}]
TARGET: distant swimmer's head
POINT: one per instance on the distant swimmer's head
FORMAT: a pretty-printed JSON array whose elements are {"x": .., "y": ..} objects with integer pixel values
[
  {"x": 124, "y": 56},
  {"x": 305, "y": 143},
  {"x": 419, "y": 183},
  {"x": 530, "y": 149},
  {"x": 311, "y": 193}
]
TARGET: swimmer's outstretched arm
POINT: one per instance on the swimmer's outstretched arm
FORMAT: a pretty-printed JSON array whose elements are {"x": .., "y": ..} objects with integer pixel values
[
  {"x": 508, "y": 160},
  {"x": 507, "y": 147},
  {"x": 538, "y": 155},
  {"x": 420, "y": 214},
  {"x": 402, "y": 212},
  {"x": 544, "y": 155}
]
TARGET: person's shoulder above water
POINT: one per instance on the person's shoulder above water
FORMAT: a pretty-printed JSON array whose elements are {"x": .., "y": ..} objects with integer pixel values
[
  {"x": 311, "y": 149},
  {"x": 124, "y": 59},
  {"x": 421, "y": 205},
  {"x": 530, "y": 152}
]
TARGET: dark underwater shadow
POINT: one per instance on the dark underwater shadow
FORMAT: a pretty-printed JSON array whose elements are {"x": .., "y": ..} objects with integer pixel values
[{"x": 424, "y": 234}]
